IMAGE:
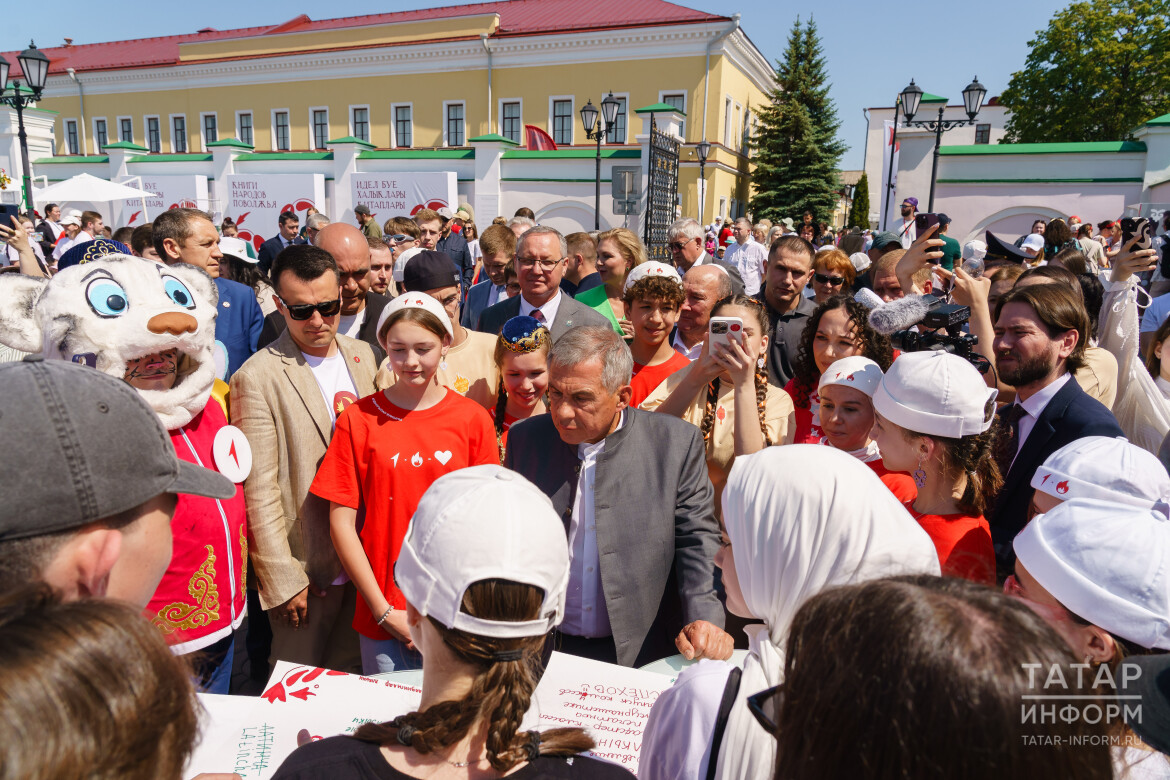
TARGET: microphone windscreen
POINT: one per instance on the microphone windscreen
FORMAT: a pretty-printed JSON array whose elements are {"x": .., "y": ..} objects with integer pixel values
[
  {"x": 900, "y": 314},
  {"x": 868, "y": 298}
]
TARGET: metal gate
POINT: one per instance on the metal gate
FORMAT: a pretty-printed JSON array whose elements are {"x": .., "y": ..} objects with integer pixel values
[{"x": 661, "y": 193}]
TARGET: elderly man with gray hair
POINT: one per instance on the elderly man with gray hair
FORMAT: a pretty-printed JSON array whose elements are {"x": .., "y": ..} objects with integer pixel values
[
  {"x": 541, "y": 253},
  {"x": 685, "y": 241},
  {"x": 632, "y": 489}
]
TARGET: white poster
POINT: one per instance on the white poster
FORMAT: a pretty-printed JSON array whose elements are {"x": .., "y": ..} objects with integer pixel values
[
  {"x": 889, "y": 183},
  {"x": 186, "y": 192},
  {"x": 404, "y": 194},
  {"x": 255, "y": 201}
]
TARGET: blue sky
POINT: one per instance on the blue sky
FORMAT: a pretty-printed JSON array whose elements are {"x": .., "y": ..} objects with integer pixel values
[{"x": 873, "y": 49}]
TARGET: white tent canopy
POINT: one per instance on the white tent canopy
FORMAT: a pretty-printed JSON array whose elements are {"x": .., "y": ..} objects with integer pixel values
[{"x": 84, "y": 187}]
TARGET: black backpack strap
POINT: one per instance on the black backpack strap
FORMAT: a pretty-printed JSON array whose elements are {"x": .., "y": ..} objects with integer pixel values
[{"x": 730, "y": 691}]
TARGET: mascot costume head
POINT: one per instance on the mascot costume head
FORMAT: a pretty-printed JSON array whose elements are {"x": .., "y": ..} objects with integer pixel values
[{"x": 116, "y": 309}]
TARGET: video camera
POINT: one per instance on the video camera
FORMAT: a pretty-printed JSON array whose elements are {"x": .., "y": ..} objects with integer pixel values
[{"x": 939, "y": 326}]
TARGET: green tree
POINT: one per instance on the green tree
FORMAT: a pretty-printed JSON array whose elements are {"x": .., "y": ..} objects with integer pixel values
[
  {"x": 859, "y": 211},
  {"x": 797, "y": 148},
  {"x": 1100, "y": 69}
]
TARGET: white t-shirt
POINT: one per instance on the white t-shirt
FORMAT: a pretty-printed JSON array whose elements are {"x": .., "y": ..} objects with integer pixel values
[
  {"x": 350, "y": 324},
  {"x": 337, "y": 387},
  {"x": 1155, "y": 314}
]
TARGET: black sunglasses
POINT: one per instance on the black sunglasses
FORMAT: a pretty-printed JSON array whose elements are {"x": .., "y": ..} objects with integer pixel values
[
  {"x": 765, "y": 705},
  {"x": 303, "y": 311},
  {"x": 826, "y": 279}
]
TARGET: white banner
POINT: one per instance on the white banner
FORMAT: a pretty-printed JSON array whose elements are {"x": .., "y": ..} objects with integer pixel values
[
  {"x": 889, "y": 200},
  {"x": 403, "y": 194},
  {"x": 255, "y": 201},
  {"x": 188, "y": 192}
]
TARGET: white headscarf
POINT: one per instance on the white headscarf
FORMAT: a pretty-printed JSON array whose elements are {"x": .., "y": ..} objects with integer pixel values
[{"x": 802, "y": 518}]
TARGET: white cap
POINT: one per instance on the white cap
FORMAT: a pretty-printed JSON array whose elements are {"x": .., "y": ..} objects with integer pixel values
[
  {"x": 860, "y": 261},
  {"x": 1107, "y": 469},
  {"x": 651, "y": 268},
  {"x": 414, "y": 300},
  {"x": 236, "y": 247},
  {"x": 974, "y": 250},
  {"x": 70, "y": 219},
  {"x": 856, "y": 371},
  {"x": 400, "y": 263},
  {"x": 825, "y": 248},
  {"x": 937, "y": 394},
  {"x": 1106, "y": 563},
  {"x": 483, "y": 523},
  {"x": 1033, "y": 241}
]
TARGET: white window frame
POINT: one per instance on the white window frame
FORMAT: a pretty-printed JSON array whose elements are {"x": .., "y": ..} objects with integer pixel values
[
  {"x": 119, "y": 121},
  {"x": 394, "y": 124},
  {"x": 146, "y": 132},
  {"x": 573, "y": 117},
  {"x": 272, "y": 128},
  {"x": 736, "y": 130},
  {"x": 202, "y": 129},
  {"x": 662, "y": 93},
  {"x": 96, "y": 145},
  {"x": 313, "y": 130},
  {"x": 727, "y": 101},
  {"x": 65, "y": 136},
  {"x": 186, "y": 131},
  {"x": 352, "y": 128},
  {"x": 722, "y": 207},
  {"x": 629, "y": 115},
  {"x": 446, "y": 104},
  {"x": 500, "y": 116},
  {"x": 238, "y": 133}
]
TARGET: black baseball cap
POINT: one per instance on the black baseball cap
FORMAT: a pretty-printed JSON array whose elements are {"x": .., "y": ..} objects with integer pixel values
[
  {"x": 78, "y": 445},
  {"x": 429, "y": 270}
]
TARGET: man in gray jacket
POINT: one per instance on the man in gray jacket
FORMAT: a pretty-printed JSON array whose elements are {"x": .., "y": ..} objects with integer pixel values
[{"x": 632, "y": 489}]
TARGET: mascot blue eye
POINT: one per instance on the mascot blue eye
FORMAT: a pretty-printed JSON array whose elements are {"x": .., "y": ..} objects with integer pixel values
[
  {"x": 106, "y": 297},
  {"x": 178, "y": 292}
]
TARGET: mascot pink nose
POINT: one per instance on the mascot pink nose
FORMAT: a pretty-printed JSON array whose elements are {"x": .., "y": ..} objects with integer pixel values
[{"x": 172, "y": 322}]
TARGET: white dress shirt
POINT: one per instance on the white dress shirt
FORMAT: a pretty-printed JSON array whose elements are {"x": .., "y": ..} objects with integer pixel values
[
  {"x": 1035, "y": 406},
  {"x": 548, "y": 311},
  {"x": 751, "y": 259},
  {"x": 495, "y": 294},
  {"x": 585, "y": 611},
  {"x": 690, "y": 353}
]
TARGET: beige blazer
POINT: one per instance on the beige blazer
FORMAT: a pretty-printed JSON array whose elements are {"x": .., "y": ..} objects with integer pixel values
[{"x": 277, "y": 403}]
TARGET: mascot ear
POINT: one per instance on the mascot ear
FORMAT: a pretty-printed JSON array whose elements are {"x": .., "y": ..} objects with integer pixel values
[{"x": 20, "y": 328}]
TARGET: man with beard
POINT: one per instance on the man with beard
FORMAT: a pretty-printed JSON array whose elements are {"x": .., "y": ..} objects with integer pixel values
[
  {"x": 907, "y": 232},
  {"x": 1041, "y": 332}
]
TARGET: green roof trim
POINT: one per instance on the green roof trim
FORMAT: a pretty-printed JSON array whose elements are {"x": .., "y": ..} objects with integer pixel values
[
  {"x": 1120, "y": 180},
  {"x": 130, "y": 147},
  {"x": 233, "y": 143},
  {"x": 192, "y": 157},
  {"x": 349, "y": 139},
  {"x": 417, "y": 154},
  {"x": 76, "y": 159},
  {"x": 929, "y": 98},
  {"x": 492, "y": 137},
  {"x": 1088, "y": 147},
  {"x": 658, "y": 108},
  {"x": 1159, "y": 120},
  {"x": 573, "y": 154},
  {"x": 260, "y": 156}
]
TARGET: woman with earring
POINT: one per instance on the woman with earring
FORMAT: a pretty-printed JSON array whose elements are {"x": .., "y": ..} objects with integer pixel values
[{"x": 933, "y": 416}]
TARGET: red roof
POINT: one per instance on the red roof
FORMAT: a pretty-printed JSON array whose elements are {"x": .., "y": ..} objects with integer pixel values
[{"x": 517, "y": 17}]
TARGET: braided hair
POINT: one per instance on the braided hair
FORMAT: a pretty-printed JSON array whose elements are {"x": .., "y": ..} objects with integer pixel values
[
  {"x": 973, "y": 456},
  {"x": 708, "y": 421},
  {"x": 870, "y": 344},
  {"x": 519, "y": 336}
]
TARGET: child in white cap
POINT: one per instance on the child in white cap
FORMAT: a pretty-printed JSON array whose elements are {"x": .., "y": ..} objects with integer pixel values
[
  {"x": 386, "y": 451},
  {"x": 1104, "y": 468},
  {"x": 483, "y": 570},
  {"x": 653, "y": 297},
  {"x": 846, "y": 393},
  {"x": 933, "y": 419}
]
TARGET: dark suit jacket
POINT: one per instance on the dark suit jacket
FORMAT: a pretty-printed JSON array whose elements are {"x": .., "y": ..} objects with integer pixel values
[
  {"x": 588, "y": 283},
  {"x": 477, "y": 298},
  {"x": 455, "y": 246},
  {"x": 238, "y": 322},
  {"x": 656, "y": 529},
  {"x": 270, "y": 249},
  {"x": 569, "y": 314},
  {"x": 274, "y": 325},
  {"x": 1071, "y": 414}
]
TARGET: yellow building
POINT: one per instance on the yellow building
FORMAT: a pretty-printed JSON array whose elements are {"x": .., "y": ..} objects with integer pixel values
[{"x": 424, "y": 79}]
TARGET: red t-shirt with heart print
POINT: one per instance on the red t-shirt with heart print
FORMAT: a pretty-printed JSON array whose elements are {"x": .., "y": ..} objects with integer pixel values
[{"x": 382, "y": 459}]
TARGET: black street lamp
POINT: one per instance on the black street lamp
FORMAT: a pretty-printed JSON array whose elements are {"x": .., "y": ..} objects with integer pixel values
[
  {"x": 35, "y": 66},
  {"x": 595, "y": 131},
  {"x": 911, "y": 96},
  {"x": 703, "y": 149}
]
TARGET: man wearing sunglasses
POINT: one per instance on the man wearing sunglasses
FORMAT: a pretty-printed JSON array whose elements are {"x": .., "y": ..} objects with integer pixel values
[
  {"x": 287, "y": 399},
  {"x": 685, "y": 242}
]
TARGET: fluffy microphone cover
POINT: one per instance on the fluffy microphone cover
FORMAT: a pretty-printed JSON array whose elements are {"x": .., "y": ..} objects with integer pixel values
[{"x": 900, "y": 314}]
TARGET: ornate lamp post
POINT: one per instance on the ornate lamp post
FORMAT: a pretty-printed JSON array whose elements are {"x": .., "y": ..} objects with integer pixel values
[
  {"x": 595, "y": 131},
  {"x": 703, "y": 149},
  {"x": 911, "y": 96},
  {"x": 35, "y": 66}
]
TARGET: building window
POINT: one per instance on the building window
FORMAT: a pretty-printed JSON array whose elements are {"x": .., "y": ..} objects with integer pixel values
[
  {"x": 100, "y": 134},
  {"x": 361, "y": 123},
  {"x": 455, "y": 124},
  {"x": 245, "y": 128},
  {"x": 562, "y": 122},
  {"x": 510, "y": 121},
  {"x": 320, "y": 128},
  {"x": 982, "y": 134},
  {"x": 179, "y": 133},
  {"x": 71, "y": 144},
  {"x": 402, "y": 127},
  {"x": 745, "y": 141},
  {"x": 616, "y": 133},
  {"x": 280, "y": 121},
  {"x": 126, "y": 130},
  {"x": 727, "y": 122},
  {"x": 678, "y": 100},
  {"x": 210, "y": 129},
  {"x": 153, "y": 139}
]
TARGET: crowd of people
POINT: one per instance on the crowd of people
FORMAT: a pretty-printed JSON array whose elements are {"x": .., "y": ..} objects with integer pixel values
[{"x": 903, "y": 476}]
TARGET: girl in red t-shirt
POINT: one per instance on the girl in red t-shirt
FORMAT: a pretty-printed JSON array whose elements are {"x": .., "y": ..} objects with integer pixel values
[
  {"x": 386, "y": 451},
  {"x": 653, "y": 297},
  {"x": 522, "y": 357}
]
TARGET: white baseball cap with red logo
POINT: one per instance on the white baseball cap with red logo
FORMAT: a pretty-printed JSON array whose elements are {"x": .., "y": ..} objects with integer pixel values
[{"x": 1105, "y": 468}]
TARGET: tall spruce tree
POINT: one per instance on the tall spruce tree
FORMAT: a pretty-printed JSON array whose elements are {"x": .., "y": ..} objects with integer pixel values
[
  {"x": 797, "y": 148},
  {"x": 859, "y": 211}
]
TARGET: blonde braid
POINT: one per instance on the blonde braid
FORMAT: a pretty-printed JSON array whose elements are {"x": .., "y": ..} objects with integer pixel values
[
  {"x": 709, "y": 411},
  {"x": 498, "y": 416},
  {"x": 762, "y": 402}
]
